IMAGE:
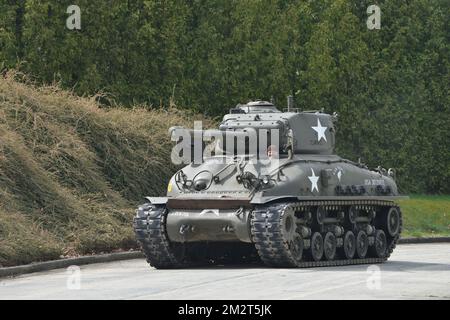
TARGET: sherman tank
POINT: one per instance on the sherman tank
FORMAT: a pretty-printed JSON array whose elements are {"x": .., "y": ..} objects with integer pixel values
[{"x": 283, "y": 198}]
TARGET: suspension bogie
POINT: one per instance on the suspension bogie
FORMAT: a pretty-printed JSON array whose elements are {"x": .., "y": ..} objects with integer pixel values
[{"x": 343, "y": 234}]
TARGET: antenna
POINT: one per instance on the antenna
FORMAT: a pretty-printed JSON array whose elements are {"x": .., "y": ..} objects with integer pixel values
[{"x": 290, "y": 103}]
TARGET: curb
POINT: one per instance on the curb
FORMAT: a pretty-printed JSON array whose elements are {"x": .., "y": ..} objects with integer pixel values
[
  {"x": 423, "y": 240},
  {"x": 102, "y": 258},
  {"x": 64, "y": 263}
]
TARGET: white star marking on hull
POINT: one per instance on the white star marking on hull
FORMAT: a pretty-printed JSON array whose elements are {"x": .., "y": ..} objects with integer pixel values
[
  {"x": 320, "y": 131},
  {"x": 314, "y": 179}
]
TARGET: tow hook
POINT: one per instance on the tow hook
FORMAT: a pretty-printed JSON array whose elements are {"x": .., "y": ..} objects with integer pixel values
[
  {"x": 239, "y": 212},
  {"x": 228, "y": 229},
  {"x": 184, "y": 228}
]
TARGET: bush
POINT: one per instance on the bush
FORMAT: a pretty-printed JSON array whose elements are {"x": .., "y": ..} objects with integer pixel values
[{"x": 72, "y": 172}]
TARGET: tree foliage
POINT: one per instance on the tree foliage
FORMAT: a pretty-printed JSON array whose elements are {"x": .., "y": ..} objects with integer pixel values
[{"x": 390, "y": 86}]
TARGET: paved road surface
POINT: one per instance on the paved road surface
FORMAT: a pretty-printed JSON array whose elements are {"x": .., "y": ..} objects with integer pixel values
[{"x": 414, "y": 271}]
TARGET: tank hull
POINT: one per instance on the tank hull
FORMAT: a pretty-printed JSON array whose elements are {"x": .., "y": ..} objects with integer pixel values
[
  {"x": 262, "y": 233},
  {"x": 302, "y": 176}
]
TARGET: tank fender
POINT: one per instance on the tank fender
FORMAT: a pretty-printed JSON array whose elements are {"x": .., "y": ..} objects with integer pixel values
[{"x": 264, "y": 200}]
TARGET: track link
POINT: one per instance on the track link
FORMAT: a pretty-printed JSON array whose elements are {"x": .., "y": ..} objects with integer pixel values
[{"x": 275, "y": 251}]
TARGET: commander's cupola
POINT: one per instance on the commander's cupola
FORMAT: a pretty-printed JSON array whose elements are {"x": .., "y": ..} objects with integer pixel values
[{"x": 258, "y": 106}]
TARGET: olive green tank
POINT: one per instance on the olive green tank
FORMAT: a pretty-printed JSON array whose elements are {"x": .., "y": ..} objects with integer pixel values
[{"x": 266, "y": 187}]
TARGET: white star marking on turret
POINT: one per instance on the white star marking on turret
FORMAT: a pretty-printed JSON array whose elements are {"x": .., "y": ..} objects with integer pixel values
[
  {"x": 313, "y": 180},
  {"x": 320, "y": 131}
]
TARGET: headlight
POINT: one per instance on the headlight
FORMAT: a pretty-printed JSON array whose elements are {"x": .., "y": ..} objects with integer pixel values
[{"x": 266, "y": 180}]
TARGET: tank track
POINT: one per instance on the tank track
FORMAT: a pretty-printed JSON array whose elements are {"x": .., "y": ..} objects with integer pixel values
[
  {"x": 150, "y": 231},
  {"x": 270, "y": 244},
  {"x": 274, "y": 250}
]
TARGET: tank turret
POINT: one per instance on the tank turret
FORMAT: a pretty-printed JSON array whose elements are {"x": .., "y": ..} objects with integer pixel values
[{"x": 311, "y": 132}]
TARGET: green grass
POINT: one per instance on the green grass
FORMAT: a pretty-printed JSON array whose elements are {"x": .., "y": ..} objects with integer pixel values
[{"x": 426, "y": 216}]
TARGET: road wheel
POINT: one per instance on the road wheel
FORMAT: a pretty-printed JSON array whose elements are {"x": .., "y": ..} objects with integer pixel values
[
  {"x": 349, "y": 246},
  {"x": 362, "y": 244},
  {"x": 296, "y": 246},
  {"x": 393, "y": 222},
  {"x": 330, "y": 244},
  {"x": 380, "y": 245},
  {"x": 316, "y": 246}
]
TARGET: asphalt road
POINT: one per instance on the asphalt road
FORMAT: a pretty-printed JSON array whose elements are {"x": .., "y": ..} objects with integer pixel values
[{"x": 413, "y": 272}]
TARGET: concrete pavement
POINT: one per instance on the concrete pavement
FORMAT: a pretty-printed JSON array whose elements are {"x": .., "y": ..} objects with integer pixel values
[{"x": 414, "y": 271}]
